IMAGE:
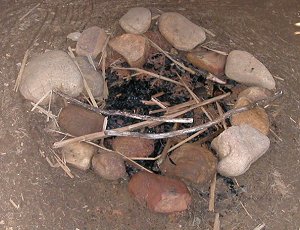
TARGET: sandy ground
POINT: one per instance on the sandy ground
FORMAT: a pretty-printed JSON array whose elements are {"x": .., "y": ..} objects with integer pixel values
[{"x": 45, "y": 198}]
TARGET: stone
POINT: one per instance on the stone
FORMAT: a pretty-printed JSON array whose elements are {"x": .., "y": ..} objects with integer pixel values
[
  {"x": 91, "y": 42},
  {"x": 78, "y": 121},
  {"x": 79, "y": 155},
  {"x": 136, "y": 21},
  {"x": 255, "y": 93},
  {"x": 256, "y": 118},
  {"x": 133, "y": 146},
  {"x": 74, "y": 36},
  {"x": 92, "y": 77},
  {"x": 238, "y": 147},
  {"x": 180, "y": 32},
  {"x": 191, "y": 162},
  {"x": 132, "y": 47},
  {"x": 209, "y": 61},
  {"x": 109, "y": 166},
  {"x": 244, "y": 68},
  {"x": 53, "y": 70},
  {"x": 159, "y": 193}
]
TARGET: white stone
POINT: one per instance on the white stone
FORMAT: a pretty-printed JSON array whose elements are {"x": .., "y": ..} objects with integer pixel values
[{"x": 237, "y": 148}]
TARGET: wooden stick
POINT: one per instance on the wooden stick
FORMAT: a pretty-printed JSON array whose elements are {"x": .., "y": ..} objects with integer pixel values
[
  {"x": 212, "y": 190},
  {"x": 150, "y": 74},
  {"x": 32, "y": 9},
  {"x": 19, "y": 78},
  {"x": 221, "y": 112},
  {"x": 208, "y": 31},
  {"x": 216, "y": 51},
  {"x": 125, "y": 114},
  {"x": 174, "y": 107},
  {"x": 196, "y": 128},
  {"x": 172, "y": 59},
  {"x": 217, "y": 224},
  {"x": 159, "y": 103},
  {"x": 186, "y": 140},
  {"x": 99, "y": 135},
  {"x": 40, "y": 101}
]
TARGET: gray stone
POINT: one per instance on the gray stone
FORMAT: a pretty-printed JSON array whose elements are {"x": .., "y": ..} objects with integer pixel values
[
  {"x": 238, "y": 147},
  {"x": 53, "y": 70},
  {"x": 243, "y": 67},
  {"x": 92, "y": 77},
  {"x": 136, "y": 21},
  {"x": 180, "y": 32},
  {"x": 91, "y": 42}
]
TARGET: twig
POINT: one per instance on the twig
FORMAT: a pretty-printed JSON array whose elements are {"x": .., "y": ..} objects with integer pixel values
[
  {"x": 32, "y": 9},
  {"x": 275, "y": 135},
  {"x": 42, "y": 110},
  {"x": 159, "y": 103},
  {"x": 104, "y": 48},
  {"x": 49, "y": 107},
  {"x": 196, "y": 128},
  {"x": 246, "y": 210},
  {"x": 208, "y": 31},
  {"x": 99, "y": 135},
  {"x": 63, "y": 165},
  {"x": 150, "y": 74},
  {"x": 104, "y": 128},
  {"x": 41, "y": 100},
  {"x": 186, "y": 140},
  {"x": 14, "y": 204},
  {"x": 212, "y": 190},
  {"x": 217, "y": 224},
  {"x": 216, "y": 51},
  {"x": 125, "y": 114},
  {"x": 172, "y": 59},
  {"x": 91, "y": 62},
  {"x": 260, "y": 226},
  {"x": 19, "y": 78},
  {"x": 213, "y": 78}
]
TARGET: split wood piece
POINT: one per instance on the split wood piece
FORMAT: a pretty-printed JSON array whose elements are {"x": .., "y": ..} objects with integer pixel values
[
  {"x": 212, "y": 191},
  {"x": 125, "y": 114},
  {"x": 148, "y": 73},
  {"x": 221, "y": 112},
  {"x": 196, "y": 128},
  {"x": 19, "y": 78},
  {"x": 106, "y": 149},
  {"x": 99, "y": 135},
  {"x": 169, "y": 56},
  {"x": 165, "y": 151}
]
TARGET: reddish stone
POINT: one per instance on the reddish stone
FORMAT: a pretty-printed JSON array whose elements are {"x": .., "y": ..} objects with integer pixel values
[
  {"x": 159, "y": 193},
  {"x": 210, "y": 61},
  {"x": 132, "y": 47},
  {"x": 192, "y": 162},
  {"x": 109, "y": 165},
  {"x": 78, "y": 121},
  {"x": 133, "y": 146}
]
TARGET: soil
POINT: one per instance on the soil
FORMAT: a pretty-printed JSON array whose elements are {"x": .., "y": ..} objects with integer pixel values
[{"x": 34, "y": 195}]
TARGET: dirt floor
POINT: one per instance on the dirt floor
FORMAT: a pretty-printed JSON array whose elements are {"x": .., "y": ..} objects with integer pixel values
[{"x": 45, "y": 198}]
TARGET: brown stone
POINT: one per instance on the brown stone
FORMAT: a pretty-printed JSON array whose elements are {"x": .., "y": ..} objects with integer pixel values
[
  {"x": 109, "y": 165},
  {"x": 191, "y": 162},
  {"x": 91, "y": 42},
  {"x": 132, "y": 47},
  {"x": 133, "y": 146},
  {"x": 78, "y": 121},
  {"x": 209, "y": 61},
  {"x": 159, "y": 193},
  {"x": 255, "y": 93},
  {"x": 256, "y": 118}
]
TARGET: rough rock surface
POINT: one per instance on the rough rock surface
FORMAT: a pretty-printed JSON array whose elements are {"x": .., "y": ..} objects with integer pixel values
[
  {"x": 209, "y": 61},
  {"x": 159, "y": 193},
  {"x": 133, "y": 146},
  {"x": 192, "y": 162},
  {"x": 78, "y": 121},
  {"x": 132, "y": 47},
  {"x": 79, "y": 155},
  {"x": 91, "y": 42},
  {"x": 238, "y": 147},
  {"x": 53, "y": 70},
  {"x": 136, "y": 21},
  {"x": 180, "y": 32},
  {"x": 92, "y": 77},
  {"x": 109, "y": 165},
  {"x": 244, "y": 68},
  {"x": 255, "y": 93},
  {"x": 256, "y": 118}
]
